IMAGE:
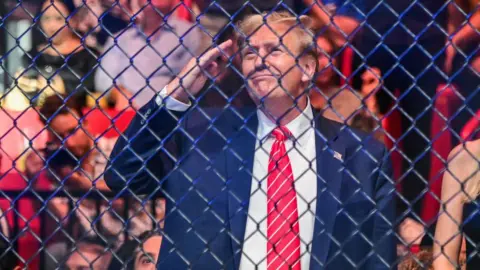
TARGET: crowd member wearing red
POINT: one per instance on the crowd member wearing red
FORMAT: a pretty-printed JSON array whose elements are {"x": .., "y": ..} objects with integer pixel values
[{"x": 75, "y": 163}]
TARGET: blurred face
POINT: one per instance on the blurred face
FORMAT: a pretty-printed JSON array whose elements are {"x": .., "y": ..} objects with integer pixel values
[
  {"x": 325, "y": 61},
  {"x": 270, "y": 67},
  {"x": 147, "y": 257},
  {"x": 64, "y": 127},
  {"x": 88, "y": 257},
  {"x": 53, "y": 21},
  {"x": 163, "y": 6}
]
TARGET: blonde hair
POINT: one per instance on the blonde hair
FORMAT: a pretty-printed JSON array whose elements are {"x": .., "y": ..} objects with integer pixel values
[{"x": 301, "y": 26}]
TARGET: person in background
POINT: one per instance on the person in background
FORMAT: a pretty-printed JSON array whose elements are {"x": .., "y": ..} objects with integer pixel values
[
  {"x": 420, "y": 261},
  {"x": 459, "y": 214},
  {"x": 88, "y": 253},
  {"x": 138, "y": 254},
  {"x": 61, "y": 64},
  {"x": 342, "y": 103},
  {"x": 138, "y": 62},
  {"x": 72, "y": 164},
  {"x": 8, "y": 256},
  {"x": 409, "y": 57},
  {"x": 462, "y": 60}
]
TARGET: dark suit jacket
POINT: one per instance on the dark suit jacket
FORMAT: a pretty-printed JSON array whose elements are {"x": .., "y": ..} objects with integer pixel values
[{"x": 201, "y": 161}]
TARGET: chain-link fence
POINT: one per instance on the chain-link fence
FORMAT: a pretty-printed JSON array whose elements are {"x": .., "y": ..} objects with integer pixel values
[{"x": 215, "y": 134}]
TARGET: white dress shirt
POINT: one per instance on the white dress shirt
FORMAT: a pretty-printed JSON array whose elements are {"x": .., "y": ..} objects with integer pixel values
[{"x": 302, "y": 152}]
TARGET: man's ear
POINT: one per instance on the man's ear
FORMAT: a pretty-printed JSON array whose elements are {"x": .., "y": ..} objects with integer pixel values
[{"x": 308, "y": 64}]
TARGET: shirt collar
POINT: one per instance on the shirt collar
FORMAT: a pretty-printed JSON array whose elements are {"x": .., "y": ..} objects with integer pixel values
[{"x": 297, "y": 126}]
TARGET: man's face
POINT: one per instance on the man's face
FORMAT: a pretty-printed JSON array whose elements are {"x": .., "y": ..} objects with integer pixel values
[
  {"x": 147, "y": 257},
  {"x": 269, "y": 64},
  {"x": 88, "y": 256},
  {"x": 325, "y": 61},
  {"x": 64, "y": 127}
]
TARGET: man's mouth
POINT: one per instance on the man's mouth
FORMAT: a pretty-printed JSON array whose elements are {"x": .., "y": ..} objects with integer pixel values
[{"x": 262, "y": 76}]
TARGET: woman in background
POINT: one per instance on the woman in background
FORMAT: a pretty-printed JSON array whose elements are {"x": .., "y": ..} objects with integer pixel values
[
  {"x": 459, "y": 215},
  {"x": 62, "y": 64}
]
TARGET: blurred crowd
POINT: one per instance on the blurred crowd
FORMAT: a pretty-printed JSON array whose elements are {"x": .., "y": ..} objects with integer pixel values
[{"x": 104, "y": 58}]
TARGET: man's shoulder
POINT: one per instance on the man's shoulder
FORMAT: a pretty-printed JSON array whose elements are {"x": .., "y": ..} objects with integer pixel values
[{"x": 354, "y": 139}]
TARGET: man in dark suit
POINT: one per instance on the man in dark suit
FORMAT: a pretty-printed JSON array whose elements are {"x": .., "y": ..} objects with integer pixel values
[{"x": 273, "y": 187}]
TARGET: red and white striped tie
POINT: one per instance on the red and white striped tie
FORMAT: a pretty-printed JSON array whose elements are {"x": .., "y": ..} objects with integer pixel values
[{"x": 283, "y": 247}]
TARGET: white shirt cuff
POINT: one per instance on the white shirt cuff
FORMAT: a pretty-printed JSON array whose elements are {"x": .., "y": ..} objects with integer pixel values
[{"x": 171, "y": 103}]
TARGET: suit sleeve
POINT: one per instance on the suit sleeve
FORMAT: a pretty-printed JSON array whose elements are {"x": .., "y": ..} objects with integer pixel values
[
  {"x": 384, "y": 239},
  {"x": 145, "y": 154}
]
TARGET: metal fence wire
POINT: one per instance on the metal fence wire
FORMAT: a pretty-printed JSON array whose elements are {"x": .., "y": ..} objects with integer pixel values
[{"x": 235, "y": 134}]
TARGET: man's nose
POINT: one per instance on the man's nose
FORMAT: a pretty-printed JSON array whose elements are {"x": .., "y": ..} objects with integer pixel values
[{"x": 261, "y": 61}]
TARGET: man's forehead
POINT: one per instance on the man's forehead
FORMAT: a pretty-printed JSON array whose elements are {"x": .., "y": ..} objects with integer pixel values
[{"x": 274, "y": 34}]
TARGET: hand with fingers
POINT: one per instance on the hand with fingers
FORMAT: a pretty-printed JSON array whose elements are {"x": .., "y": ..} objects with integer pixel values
[
  {"x": 450, "y": 52},
  {"x": 198, "y": 70}
]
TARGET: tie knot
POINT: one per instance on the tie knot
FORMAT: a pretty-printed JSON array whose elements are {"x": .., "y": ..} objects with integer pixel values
[{"x": 281, "y": 133}]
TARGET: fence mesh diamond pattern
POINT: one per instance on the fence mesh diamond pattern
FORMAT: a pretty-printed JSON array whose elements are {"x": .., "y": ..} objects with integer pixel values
[{"x": 259, "y": 134}]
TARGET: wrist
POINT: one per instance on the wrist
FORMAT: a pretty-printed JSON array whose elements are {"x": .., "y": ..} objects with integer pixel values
[{"x": 177, "y": 92}]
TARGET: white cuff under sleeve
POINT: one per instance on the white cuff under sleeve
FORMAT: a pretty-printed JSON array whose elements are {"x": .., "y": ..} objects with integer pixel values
[{"x": 171, "y": 103}]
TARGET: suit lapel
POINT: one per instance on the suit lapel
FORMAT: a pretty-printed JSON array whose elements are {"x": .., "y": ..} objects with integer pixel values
[
  {"x": 329, "y": 156},
  {"x": 239, "y": 157}
]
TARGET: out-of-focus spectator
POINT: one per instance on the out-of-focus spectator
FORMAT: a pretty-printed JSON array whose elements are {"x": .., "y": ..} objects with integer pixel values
[
  {"x": 339, "y": 18},
  {"x": 89, "y": 254},
  {"x": 342, "y": 103},
  {"x": 8, "y": 258},
  {"x": 408, "y": 54},
  {"x": 462, "y": 58},
  {"x": 138, "y": 254},
  {"x": 459, "y": 214},
  {"x": 463, "y": 26},
  {"x": 140, "y": 61},
  {"x": 62, "y": 64},
  {"x": 102, "y": 18},
  {"x": 422, "y": 260},
  {"x": 72, "y": 157}
]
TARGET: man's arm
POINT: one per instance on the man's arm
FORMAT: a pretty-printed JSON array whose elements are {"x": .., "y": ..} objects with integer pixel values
[
  {"x": 384, "y": 240},
  {"x": 141, "y": 157},
  {"x": 138, "y": 159}
]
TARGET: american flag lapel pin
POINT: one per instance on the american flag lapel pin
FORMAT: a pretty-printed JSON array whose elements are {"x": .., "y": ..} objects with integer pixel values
[{"x": 337, "y": 155}]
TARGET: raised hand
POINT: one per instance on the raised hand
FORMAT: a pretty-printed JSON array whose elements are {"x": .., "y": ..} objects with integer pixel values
[{"x": 194, "y": 75}]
